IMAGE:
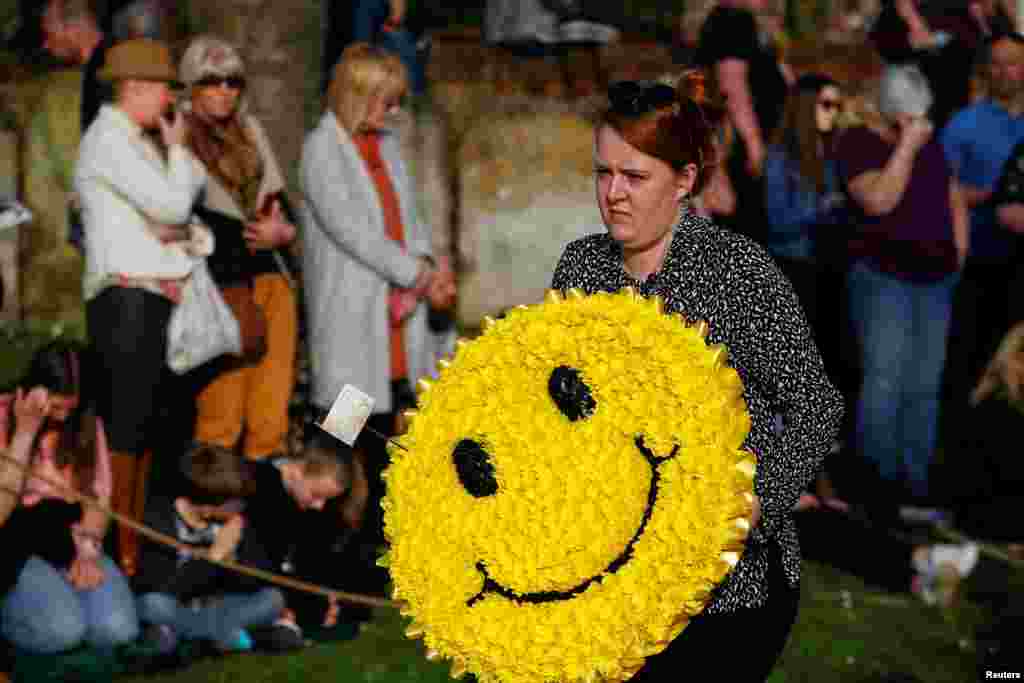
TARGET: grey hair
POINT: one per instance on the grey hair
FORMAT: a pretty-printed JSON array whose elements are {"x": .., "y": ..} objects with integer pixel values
[
  {"x": 209, "y": 55},
  {"x": 903, "y": 89}
]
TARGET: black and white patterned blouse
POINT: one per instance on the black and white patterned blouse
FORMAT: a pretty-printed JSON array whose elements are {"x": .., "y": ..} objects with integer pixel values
[{"x": 729, "y": 281}]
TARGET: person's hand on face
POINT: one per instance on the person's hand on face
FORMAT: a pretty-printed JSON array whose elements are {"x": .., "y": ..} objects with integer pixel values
[
  {"x": 173, "y": 132},
  {"x": 915, "y": 131},
  {"x": 31, "y": 409}
]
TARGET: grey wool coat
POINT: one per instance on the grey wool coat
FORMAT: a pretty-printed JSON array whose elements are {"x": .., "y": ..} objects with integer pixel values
[{"x": 349, "y": 265}]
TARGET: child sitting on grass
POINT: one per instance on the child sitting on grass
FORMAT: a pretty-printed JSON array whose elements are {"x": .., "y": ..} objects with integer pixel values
[
  {"x": 181, "y": 594},
  {"x": 303, "y": 511}
]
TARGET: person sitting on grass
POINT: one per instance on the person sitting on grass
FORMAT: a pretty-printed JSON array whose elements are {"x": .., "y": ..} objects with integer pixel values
[
  {"x": 323, "y": 493},
  {"x": 878, "y": 553},
  {"x": 181, "y": 594},
  {"x": 59, "y": 591}
]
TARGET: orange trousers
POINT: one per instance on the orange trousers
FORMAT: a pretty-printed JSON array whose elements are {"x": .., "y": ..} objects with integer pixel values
[{"x": 254, "y": 398}]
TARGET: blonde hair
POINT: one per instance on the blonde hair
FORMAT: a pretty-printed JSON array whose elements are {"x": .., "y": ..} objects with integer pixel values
[
  {"x": 362, "y": 73},
  {"x": 209, "y": 55}
]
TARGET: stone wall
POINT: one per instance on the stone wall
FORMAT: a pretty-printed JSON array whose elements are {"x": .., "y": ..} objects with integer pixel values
[
  {"x": 527, "y": 190},
  {"x": 9, "y": 309}
]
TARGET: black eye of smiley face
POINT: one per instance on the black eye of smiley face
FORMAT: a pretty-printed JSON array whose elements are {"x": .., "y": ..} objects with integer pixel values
[
  {"x": 473, "y": 464},
  {"x": 570, "y": 393},
  {"x": 476, "y": 473}
]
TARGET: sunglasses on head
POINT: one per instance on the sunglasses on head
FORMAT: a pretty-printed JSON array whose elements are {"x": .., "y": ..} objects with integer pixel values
[
  {"x": 233, "y": 82},
  {"x": 634, "y": 98}
]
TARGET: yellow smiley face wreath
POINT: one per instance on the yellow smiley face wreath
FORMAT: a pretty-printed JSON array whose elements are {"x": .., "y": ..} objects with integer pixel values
[{"x": 570, "y": 491}]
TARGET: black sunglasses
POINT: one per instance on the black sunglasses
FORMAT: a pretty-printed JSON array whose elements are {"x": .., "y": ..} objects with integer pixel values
[
  {"x": 233, "y": 82},
  {"x": 634, "y": 98},
  {"x": 830, "y": 105}
]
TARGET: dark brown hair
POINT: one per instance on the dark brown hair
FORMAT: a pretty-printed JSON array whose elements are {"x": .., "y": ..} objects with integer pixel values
[
  {"x": 679, "y": 129},
  {"x": 798, "y": 134}
]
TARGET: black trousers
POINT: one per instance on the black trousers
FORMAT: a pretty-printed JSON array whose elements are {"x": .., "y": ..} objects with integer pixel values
[
  {"x": 714, "y": 639},
  {"x": 128, "y": 332}
]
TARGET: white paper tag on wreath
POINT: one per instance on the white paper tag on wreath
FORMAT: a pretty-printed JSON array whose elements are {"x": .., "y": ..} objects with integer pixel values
[{"x": 348, "y": 415}]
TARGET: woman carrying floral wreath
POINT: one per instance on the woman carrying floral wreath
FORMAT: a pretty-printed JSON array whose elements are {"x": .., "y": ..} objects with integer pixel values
[{"x": 653, "y": 154}]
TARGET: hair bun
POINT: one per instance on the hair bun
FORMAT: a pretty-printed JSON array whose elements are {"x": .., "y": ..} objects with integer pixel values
[{"x": 695, "y": 86}]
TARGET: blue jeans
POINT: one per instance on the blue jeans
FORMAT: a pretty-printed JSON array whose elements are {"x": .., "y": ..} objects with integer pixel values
[
  {"x": 368, "y": 18},
  {"x": 219, "y": 620},
  {"x": 44, "y": 614},
  {"x": 902, "y": 329}
]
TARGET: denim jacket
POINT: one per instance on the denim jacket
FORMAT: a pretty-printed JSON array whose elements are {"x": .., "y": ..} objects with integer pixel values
[{"x": 794, "y": 207}]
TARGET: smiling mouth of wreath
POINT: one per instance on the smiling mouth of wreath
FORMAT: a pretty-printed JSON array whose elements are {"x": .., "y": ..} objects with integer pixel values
[{"x": 492, "y": 587}]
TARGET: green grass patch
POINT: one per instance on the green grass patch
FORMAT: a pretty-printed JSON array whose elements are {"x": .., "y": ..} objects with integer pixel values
[{"x": 846, "y": 632}]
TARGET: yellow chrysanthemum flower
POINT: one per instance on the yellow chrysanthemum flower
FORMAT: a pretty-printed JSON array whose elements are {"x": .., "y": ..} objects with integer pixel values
[{"x": 570, "y": 491}]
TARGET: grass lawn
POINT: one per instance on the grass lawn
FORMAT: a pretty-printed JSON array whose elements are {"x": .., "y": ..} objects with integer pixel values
[{"x": 847, "y": 631}]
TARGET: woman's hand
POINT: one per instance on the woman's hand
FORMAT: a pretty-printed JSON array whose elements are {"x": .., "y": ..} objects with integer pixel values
[
  {"x": 425, "y": 277},
  {"x": 85, "y": 572},
  {"x": 443, "y": 289},
  {"x": 270, "y": 231},
  {"x": 173, "y": 132},
  {"x": 31, "y": 409},
  {"x": 401, "y": 304},
  {"x": 755, "y": 512}
]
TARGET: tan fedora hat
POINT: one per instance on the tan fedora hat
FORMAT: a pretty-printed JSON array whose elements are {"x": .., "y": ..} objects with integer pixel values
[{"x": 140, "y": 59}]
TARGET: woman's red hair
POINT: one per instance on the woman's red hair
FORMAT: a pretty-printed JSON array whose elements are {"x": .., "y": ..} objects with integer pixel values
[{"x": 681, "y": 132}]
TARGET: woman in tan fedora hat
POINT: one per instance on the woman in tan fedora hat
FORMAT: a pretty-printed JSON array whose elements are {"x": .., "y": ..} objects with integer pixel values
[{"x": 136, "y": 203}]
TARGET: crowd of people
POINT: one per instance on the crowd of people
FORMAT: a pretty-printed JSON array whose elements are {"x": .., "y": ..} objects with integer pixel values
[
  {"x": 880, "y": 229},
  {"x": 173, "y": 172}
]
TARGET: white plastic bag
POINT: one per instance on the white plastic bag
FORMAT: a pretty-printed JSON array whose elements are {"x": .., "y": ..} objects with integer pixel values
[{"x": 202, "y": 326}]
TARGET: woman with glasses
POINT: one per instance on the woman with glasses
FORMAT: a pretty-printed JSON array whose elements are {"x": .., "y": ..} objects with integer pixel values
[
  {"x": 807, "y": 209},
  {"x": 802, "y": 192},
  {"x": 369, "y": 273},
  {"x": 244, "y": 204},
  {"x": 653, "y": 153}
]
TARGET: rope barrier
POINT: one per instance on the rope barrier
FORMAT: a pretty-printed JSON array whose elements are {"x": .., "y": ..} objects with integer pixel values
[{"x": 163, "y": 539}]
